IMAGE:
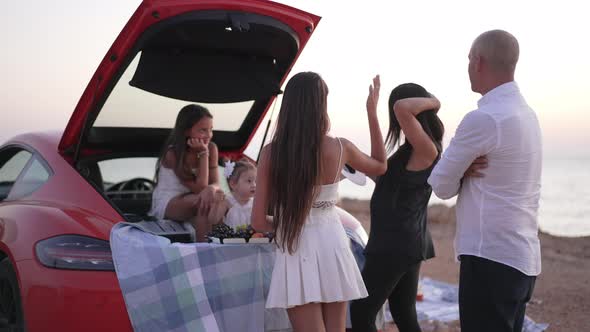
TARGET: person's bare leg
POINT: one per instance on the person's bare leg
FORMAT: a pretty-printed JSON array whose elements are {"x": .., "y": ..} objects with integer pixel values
[
  {"x": 181, "y": 208},
  {"x": 307, "y": 318},
  {"x": 334, "y": 314},
  {"x": 217, "y": 211},
  {"x": 202, "y": 227}
]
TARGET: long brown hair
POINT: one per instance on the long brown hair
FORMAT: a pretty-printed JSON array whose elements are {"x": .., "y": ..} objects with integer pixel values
[
  {"x": 176, "y": 141},
  {"x": 295, "y": 155}
]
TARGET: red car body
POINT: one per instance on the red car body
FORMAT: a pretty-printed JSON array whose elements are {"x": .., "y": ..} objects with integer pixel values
[{"x": 57, "y": 299}]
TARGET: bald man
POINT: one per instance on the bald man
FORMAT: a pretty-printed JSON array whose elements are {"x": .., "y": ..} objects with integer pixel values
[{"x": 496, "y": 239}]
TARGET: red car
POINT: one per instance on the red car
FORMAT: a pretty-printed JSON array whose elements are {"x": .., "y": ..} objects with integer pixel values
[{"x": 61, "y": 193}]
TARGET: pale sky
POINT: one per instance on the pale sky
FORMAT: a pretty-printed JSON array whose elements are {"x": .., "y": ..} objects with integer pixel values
[{"x": 51, "y": 49}]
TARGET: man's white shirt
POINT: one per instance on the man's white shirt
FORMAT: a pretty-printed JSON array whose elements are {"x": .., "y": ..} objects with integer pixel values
[{"x": 496, "y": 214}]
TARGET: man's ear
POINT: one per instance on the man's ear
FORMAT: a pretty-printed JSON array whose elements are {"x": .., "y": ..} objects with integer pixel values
[{"x": 480, "y": 62}]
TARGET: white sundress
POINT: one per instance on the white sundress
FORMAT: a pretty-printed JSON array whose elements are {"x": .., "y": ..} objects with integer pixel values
[
  {"x": 323, "y": 268},
  {"x": 238, "y": 214},
  {"x": 168, "y": 187}
]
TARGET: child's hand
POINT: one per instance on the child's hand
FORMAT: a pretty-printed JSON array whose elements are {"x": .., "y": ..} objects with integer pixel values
[{"x": 196, "y": 144}]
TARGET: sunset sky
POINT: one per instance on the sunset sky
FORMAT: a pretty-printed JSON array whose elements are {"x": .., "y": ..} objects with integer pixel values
[{"x": 51, "y": 49}]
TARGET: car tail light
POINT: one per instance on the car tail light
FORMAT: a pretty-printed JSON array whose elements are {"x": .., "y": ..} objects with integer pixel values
[{"x": 75, "y": 252}]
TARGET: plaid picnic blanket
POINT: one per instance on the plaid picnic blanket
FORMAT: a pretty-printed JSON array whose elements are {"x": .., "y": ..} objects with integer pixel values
[{"x": 194, "y": 287}]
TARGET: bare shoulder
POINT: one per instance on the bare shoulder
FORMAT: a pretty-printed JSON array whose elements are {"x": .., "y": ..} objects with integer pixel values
[
  {"x": 346, "y": 145},
  {"x": 331, "y": 148},
  {"x": 212, "y": 147},
  {"x": 213, "y": 155},
  {"x": 345, "y": 142},
  {"x": 169, "y": 160}
]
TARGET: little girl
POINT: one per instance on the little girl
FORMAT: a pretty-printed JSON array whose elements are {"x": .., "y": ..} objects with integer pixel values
[
  {"x": 241, "y": 178},
  {"x": 187, "y": 187}
]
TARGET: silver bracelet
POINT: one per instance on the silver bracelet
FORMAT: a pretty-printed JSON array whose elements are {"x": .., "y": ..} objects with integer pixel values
[{"x": 200, "y": 154}]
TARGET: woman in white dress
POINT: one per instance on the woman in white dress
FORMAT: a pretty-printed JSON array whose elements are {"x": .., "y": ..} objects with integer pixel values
[
  {"x": 315, "y": 273},
  {"x": 187, "y": 188}
]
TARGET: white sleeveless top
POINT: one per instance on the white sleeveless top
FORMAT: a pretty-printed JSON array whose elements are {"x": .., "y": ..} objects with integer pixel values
[{"x": 168, "y": 187}]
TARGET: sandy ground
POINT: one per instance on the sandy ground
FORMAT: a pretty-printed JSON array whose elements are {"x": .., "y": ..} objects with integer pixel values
[{"x": 562, "y": 293}]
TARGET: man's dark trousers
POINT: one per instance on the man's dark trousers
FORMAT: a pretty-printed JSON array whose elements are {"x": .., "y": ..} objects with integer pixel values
[{"x": 492, "y": 296}]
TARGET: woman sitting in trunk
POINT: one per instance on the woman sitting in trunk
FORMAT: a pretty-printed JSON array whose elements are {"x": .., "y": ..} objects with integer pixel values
[{"x": 187, "y": 187}]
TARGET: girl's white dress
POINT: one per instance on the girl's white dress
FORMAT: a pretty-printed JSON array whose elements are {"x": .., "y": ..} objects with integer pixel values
[
  {"x": 238, "y": 214},
  {"x": 168, "y": 187},
  {"x": 323, "y": 268}
]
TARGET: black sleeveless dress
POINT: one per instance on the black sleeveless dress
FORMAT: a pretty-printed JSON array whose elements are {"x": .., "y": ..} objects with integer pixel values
[{"x": 399, "y": 210}]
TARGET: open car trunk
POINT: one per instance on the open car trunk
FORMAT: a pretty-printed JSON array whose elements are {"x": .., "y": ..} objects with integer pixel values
[
  {"x": 229, "y": 56},
  {"x": 179, "y": 52}
]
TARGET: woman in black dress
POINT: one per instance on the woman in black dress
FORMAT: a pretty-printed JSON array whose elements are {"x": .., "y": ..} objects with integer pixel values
[{"x": 399, "y": 239}]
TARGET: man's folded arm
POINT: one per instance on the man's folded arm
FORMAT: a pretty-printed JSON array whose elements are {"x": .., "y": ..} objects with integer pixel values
[{"x": 476, "y": 136}]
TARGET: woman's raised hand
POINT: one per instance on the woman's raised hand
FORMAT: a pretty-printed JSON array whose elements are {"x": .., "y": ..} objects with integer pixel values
[
  {"x": 376, "y": 164},
  {"x": 373, "y": 97}
]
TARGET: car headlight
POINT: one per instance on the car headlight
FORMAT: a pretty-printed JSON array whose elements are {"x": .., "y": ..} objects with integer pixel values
[{"x": 75, "y": 252}]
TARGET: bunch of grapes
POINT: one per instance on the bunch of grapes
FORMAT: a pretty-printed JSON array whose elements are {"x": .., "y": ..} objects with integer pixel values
[
  {"x": 244, "y": 231},
  {"x": 221, "y": 231}
]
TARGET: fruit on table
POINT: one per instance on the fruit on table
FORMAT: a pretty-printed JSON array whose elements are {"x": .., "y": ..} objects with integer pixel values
[{"x": 223, "y": 231}]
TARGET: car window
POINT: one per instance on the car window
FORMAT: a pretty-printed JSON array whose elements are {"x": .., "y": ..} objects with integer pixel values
[
  {"x": 32, "y": 179},
  {"x": 128, "y": 106},
  {"x": 12, "y": 162},
  {"x": 114, "y": 171}
]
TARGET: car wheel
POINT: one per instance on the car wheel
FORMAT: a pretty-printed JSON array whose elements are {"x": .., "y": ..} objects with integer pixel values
[{"x": 11, "y": 312}]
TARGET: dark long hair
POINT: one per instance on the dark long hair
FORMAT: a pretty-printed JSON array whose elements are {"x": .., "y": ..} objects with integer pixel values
[
  {"x": 176, "y": 141},
  {"x": 429, "y": 120},
  {"x": 295, "y": 155}
]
